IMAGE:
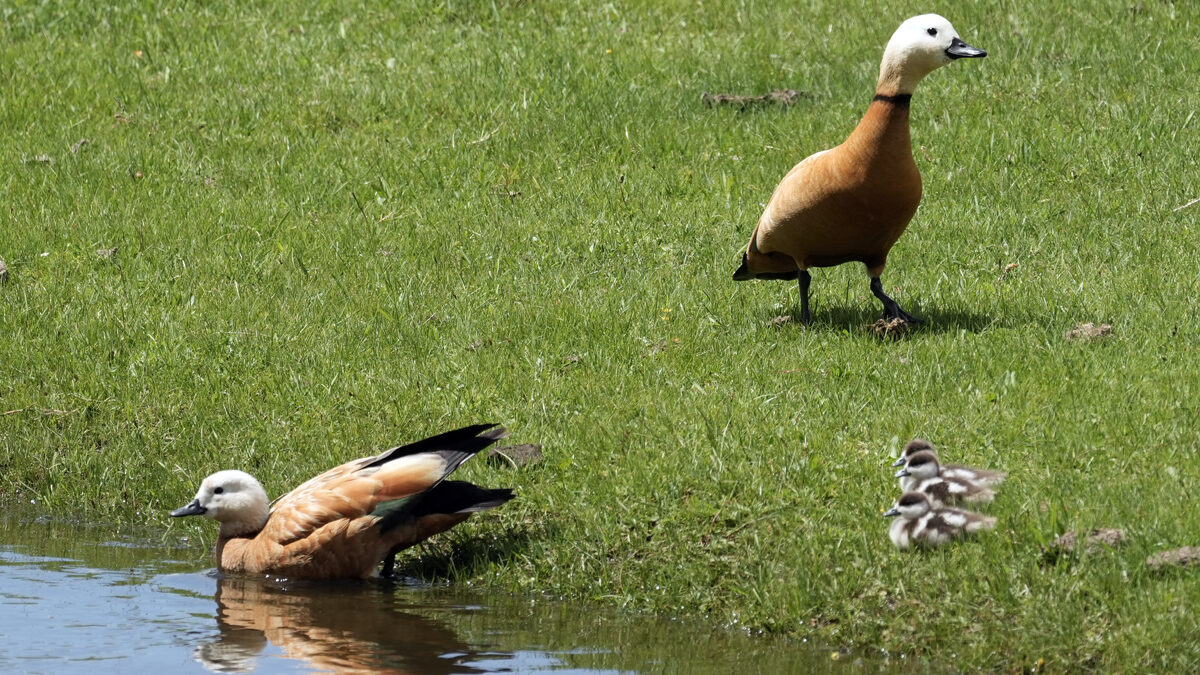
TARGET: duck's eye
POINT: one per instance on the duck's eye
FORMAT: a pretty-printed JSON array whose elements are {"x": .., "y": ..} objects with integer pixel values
[
  {"x": 217, "y": 491},
  {"x": 932, "y": 31}
]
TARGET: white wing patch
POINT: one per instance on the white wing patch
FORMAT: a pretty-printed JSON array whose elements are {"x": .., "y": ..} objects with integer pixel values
[{"x": 899, "y": 533}]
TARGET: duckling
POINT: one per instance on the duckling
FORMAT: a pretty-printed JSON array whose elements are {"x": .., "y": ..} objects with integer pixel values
[
  {"x": 923, "y": 524},
  {"x": 980, "y": 476},
  {"x": 852, "y": 202},
  {"x": 341, "y": 523},
  {"x": 921, "y": 474}
]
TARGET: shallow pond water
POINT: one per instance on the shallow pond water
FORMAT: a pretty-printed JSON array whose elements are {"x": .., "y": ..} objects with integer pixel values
[{"x": 78, "y": 599}]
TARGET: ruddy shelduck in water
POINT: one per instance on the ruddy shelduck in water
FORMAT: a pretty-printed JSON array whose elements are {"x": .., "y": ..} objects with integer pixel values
[
  {"x": 342, "y": 523},
  {"x": 852, "y": 202}
]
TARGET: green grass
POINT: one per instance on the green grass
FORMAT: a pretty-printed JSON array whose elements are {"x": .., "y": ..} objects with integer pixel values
[{"x": 356, "y": 225}]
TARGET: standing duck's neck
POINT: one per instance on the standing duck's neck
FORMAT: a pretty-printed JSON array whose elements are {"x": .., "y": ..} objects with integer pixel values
[{"x": 883, "y": 132}]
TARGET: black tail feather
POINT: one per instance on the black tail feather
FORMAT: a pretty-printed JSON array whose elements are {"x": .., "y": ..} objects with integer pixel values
[
  {"x": 447, "y": 497},
  {"x": 456, "y": 446},
  {"x": 459, "y": 496}
]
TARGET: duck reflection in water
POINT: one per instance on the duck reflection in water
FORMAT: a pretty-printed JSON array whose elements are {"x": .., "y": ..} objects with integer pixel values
[{"x": 334, "y": 627}]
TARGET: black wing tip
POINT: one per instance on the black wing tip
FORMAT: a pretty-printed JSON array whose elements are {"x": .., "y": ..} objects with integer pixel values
[
  {"x": 467, "y": 440},
  {"x": 494, "y": 497},
  {"x": 743, "y": 271},
  {"x": 459, "y": 496},
  {"x": 490, "y": 431},
  {"x": 494, "y": 434}
]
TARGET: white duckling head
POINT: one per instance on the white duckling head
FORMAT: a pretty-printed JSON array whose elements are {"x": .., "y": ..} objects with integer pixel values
[
  {"x": 911, "y": 448},
  {"x": 920, "y": 465},
  {"x": 233, "y": 498},
  {"x": 910, "y": 506},
  {"x": 920, "y": 46}
]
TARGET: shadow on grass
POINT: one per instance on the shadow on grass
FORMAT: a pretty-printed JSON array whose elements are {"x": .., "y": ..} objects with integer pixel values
[
  {"x": 457, "y": 557},
  {"x": 861, "y": 318}
]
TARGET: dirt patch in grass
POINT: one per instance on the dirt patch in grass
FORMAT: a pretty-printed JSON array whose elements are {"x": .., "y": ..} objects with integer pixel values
[
  {"x": 781, "y": 96},
  {"x": 1093, "y": 541},
  {"x": 891, "y": 328},
  {"x": 1087, "y": 331},
  {"x": 525, "y": 454},
  {"x": 1188, "y": 556}
]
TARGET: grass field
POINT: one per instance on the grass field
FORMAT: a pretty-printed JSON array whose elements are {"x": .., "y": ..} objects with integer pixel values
[{"x": 348, "y": 226}]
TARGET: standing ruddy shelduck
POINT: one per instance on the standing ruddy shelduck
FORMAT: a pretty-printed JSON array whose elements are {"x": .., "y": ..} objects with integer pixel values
[
  {"x": 343, "y": 522},
  {"x": 853, "y": 202},
  {"x": 981, "y": 476},
  {"x": 922, "y": 524}
]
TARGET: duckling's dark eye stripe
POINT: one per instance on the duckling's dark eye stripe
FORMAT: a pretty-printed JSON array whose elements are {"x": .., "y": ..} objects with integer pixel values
[{"x": 901, "y": 100}]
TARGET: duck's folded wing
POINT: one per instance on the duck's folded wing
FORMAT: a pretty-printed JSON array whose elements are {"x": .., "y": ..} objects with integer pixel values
[
  {"x": 358, "y": 488},
  {"x": 350, "y": 492}
]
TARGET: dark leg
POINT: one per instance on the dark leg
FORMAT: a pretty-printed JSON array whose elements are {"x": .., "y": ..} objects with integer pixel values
[
  {"x": 891, "y": 310},
  {"x": 389, "y": 562},
  {"x": 805, "y": 282}
]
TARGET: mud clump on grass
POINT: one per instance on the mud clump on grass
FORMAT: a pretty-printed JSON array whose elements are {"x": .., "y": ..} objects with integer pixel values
[
  {"x": 891, "y": 328},
  {"x": 1188, "y": 556},
  {"x": 1087, "y": 331},
  {"x": 515, "y": 456},
  {"x": 1094, "y": 541},
  {"x": 781, "y": 96}
]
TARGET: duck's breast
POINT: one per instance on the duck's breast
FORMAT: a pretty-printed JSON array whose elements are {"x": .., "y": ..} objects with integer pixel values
[{"x": 841, "y": 206}]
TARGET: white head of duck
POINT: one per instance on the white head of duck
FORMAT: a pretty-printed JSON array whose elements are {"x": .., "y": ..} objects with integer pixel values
[
  {"x": 233, "y": 498},
  {"x": 920, "y": 46}
]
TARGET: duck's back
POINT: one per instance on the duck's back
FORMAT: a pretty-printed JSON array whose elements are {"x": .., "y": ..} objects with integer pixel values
[{"x": 326, "y": 540}]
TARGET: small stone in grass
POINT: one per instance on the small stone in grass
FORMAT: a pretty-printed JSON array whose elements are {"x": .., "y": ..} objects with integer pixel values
[{"x": 3, "y": 272}]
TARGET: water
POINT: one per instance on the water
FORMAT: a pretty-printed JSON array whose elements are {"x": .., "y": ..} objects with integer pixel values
[{"x": 74, "y": 599}]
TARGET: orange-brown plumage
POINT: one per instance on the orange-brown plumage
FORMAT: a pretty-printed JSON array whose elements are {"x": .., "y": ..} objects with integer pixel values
[
  {"x": 852, "y": 202},
  {"x": 343, "y": 522}
]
